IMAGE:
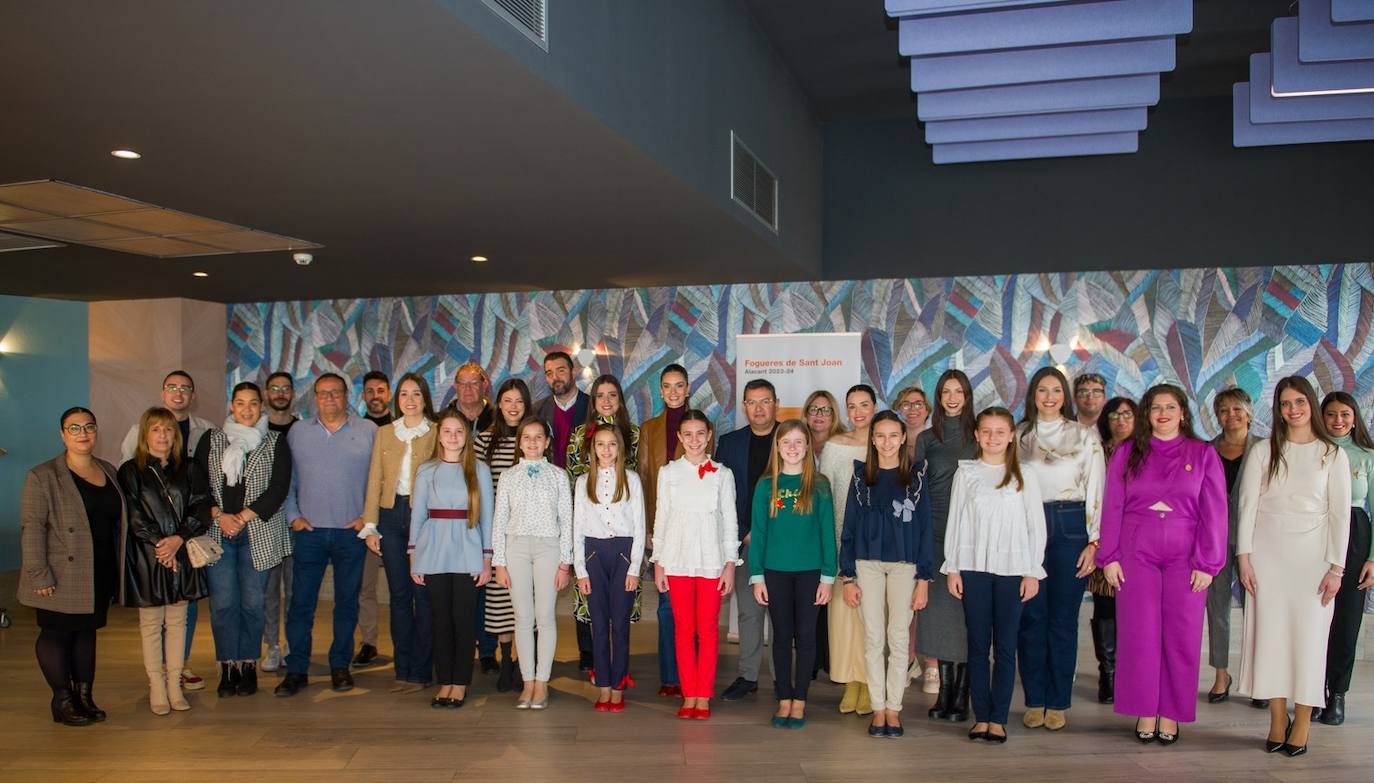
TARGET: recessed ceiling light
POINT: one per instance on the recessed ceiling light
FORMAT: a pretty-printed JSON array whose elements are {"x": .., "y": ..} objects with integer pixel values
[
  {"x": 200, "y": 274},
  {"x": 126, "y": 154},
  {"x": 479, "y": 259}
]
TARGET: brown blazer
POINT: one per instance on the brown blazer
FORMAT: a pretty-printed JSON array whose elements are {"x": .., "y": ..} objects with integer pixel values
[
  {"x": 55, "y": 539},
  {"x": 387, "y": 451},
  {"x": 653, "y": 440}
]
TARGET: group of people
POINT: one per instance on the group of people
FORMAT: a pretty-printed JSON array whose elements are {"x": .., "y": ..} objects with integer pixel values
[{"x": 484, "y": 512}]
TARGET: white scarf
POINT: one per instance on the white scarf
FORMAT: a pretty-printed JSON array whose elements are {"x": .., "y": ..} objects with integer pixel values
[
  {"x": 405, "y": 435},
  {"x": 242, "y": 441}
]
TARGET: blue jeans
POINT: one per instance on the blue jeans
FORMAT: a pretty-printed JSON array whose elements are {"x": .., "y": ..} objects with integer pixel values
[
  {"x": 236, "y": 592},
  {"x": 412, "y": 626},
  {"x": 992, "y": 615},
  {"x": 315, "y": 550},
  {"x": 667, "y": 652},
  {"x": 1048, "y": 645}
]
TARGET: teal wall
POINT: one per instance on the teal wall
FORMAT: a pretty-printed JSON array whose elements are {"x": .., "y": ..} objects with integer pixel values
[{"x": 44, "y": 370}]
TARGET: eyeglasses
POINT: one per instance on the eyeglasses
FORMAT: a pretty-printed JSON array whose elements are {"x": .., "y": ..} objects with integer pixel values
[
  {"x": 907, "y": 406},
  {"x": 1090, "y": 393},
  {"x": 279, "y": 387},
  {"x": 468, "y": 384},
  {"x": 329, "y": 394},
  {"x": 766, "y": 401},
  {"x": 77, "y": 429},
  {"x": 1115, "y": 415},
  {"x": 820, "y": 410},
  {"x": 184, "y": 388}
]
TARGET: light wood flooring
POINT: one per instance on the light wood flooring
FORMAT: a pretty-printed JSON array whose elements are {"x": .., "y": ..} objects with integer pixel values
[{"x": 369, "y": 734}]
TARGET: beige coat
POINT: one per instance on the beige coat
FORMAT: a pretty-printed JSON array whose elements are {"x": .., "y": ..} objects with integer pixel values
[
  {"x": 55, "y": 539},
  {"x": 387, "y": 450},
  {"x": 653, "y": 440}
]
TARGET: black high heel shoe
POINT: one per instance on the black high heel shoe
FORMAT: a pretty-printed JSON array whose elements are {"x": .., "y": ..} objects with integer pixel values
[
  {"x": 1218, "y": 698},
  {"x": 1292, "y": 750},
  {"x": 1166, "y": 739},
  {"x": 1271, "y": 746},
  {"x": 1146, "y": 737}
]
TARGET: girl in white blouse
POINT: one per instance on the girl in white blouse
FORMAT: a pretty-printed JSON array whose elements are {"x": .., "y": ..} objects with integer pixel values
[
  {"x": 608, "y": 544},
  {"x": 696, "y": 549},
  {"x": 1064, "y": 460},
  {"x": 531, "y": 537},
  {"x": 994, "y": 548}
]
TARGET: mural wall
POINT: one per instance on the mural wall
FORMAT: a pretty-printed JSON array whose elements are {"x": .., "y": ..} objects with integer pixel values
[{"x": 1203, "y": 329}]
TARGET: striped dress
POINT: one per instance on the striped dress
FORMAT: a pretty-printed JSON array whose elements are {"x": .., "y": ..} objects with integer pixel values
[{"x": 500, "y": 614}]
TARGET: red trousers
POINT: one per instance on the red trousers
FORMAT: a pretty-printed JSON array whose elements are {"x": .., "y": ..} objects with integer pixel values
[{"x": 696, "y": 620}]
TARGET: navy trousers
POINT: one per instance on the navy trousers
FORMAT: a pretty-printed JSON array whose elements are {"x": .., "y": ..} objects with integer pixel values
[
  {"x": 992, "y": 619},
  {"x": 1048, "y": 645},
  {"x": 412, "y": 625},
  {"x": 608, "y": 561}
]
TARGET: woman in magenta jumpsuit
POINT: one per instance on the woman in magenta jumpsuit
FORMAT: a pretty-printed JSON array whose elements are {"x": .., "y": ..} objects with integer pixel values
[{"x": 1163, "y": 539}]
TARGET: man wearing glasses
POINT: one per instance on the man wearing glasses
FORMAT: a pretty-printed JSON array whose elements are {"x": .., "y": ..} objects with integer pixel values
[
  {"x": 281, "y": 395},
  {"x": 1089, "y": 396},
  {"x": 330, "y": 458},
  {"x": 745, "y": 452},
  {"x": 471, "y": 387},
  {"x": 178, "y": 395}
]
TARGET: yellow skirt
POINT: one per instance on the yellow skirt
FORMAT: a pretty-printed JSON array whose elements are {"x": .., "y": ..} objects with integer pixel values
[{"x": 846, "y": 642}]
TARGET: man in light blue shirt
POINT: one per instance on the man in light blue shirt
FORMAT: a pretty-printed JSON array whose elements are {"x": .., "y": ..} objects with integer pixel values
[{"x": 330, "y": 458}]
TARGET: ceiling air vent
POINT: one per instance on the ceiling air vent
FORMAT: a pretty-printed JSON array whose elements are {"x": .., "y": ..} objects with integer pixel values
[
  {"x": 752, "y": 185},
  {"x": 530, "y": 17}
]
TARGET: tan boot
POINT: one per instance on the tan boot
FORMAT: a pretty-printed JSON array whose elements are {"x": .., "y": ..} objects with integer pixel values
[
  {"x": 1034, "y": 717},
  {"x": 850, "y": 699},
  {"x": 1055, "y": 720},
  {"x": 865, "y": 706},
  {"x": 174, "y": 648},
  {"x": 150, "y": 629}
]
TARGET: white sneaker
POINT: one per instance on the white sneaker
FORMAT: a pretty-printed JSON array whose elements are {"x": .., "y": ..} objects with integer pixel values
[
  {"x": 191, "y": 681},
  {"x": 913, "y": 671},
  {"x": 930, "y": 681},
  {"x": 273, "y": 660}
]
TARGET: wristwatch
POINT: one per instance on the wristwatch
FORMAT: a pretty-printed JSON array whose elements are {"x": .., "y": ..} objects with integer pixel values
[{"x": 847, "y": 580}]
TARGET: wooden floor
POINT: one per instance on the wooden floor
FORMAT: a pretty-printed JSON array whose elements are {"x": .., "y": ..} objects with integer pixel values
[{"x": 369, "y": 734}]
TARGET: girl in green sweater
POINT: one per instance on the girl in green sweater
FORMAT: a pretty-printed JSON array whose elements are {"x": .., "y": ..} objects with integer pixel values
[{"x": 792, "y": 561}]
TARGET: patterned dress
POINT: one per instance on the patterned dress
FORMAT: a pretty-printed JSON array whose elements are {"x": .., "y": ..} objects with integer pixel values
[{"x": 579, "y": 459}]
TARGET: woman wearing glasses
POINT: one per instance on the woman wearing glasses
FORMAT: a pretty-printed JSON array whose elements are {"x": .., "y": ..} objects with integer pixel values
[
  {"x": 822, "y": 419},
  {"x": 1115, "y": 426},
  {"x": 1234, "y": 412},
  {"x": 73, "y": 523},
  {"x": 913, "y": 406}
]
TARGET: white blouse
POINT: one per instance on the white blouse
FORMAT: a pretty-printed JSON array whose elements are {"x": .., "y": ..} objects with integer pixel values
[
  {"x": 1065, "y": 460},
  {"x": 623, "y": 519},
  {"x": 696, "y": 531},
  {"x": 532, "y": 499},
  {"x": 994, "y": 530}
]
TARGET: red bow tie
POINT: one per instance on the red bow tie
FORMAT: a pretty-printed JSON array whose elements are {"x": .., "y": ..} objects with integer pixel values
[{"x": 704, "y": 468}]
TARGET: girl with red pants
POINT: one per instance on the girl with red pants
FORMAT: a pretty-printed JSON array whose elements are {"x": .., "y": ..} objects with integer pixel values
[{"x": 696, "y": 549}]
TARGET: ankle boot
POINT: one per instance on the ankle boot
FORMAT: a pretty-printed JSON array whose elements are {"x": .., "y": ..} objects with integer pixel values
[
  {"x": 1104, "y": 644},
  {"x": 84, "y": 701},
  {"x": 1334, "y": 714},
  {"x": 945, "y": 697},
  {"x": 66, "y": 711},
  {"x": 850, "y": 699},
  {"x": 958, "y": 706},
  {"x": 157, "y": 692},
  {"x": 228, "y": 679},
  {"x": 865, "y": 704},
  {"x": 248, "y": 678},
  {"x": 174, "y": 652}
]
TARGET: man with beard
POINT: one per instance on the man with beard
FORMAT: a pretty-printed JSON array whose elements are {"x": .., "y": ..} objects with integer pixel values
[
  {"x": 565, "y": 408},
  {"x": 377, "y": 398},
  {"x": 1089, "y": 395},
  {"x": 281, "y": 395}
]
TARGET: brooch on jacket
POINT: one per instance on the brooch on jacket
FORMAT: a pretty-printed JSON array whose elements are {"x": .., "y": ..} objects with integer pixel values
[{"x": 704, "y": 468}]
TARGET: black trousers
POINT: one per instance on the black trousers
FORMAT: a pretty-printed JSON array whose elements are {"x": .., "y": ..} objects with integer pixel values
[
  {"x": 452, "y": 604},
  {"x": 792, "y": 607},
  {"x": 1349, "y": 609}
]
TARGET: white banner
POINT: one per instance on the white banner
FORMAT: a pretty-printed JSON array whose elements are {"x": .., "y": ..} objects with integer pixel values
[{"x": 796, "y": 365}]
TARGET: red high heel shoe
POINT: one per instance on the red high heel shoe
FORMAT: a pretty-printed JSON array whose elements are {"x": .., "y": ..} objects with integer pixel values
[{"x": 703, "y": 713}]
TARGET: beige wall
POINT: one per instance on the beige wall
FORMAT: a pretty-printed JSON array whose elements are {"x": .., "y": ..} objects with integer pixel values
[{"x": 135, "y": 343}]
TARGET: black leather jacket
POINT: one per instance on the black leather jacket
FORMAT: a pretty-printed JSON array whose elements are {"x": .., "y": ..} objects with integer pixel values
[{"x": 162, "y": 501}]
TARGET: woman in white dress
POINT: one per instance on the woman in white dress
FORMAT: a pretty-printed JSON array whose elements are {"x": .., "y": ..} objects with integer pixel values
[
  {"x": 846, "y": 630},
  {"x": 1291, "y": 537}
]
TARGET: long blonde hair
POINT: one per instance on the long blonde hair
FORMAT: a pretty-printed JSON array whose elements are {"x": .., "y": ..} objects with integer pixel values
[
  {"x": 158, "y": 415},
  {"x": 622, "y": 484},
  {"x": 467, "y": 458},
  {"x": 808, "y": 474}
]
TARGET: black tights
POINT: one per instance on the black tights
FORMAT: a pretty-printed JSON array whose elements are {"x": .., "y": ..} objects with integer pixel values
[{"x": 66, "y": 657}]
